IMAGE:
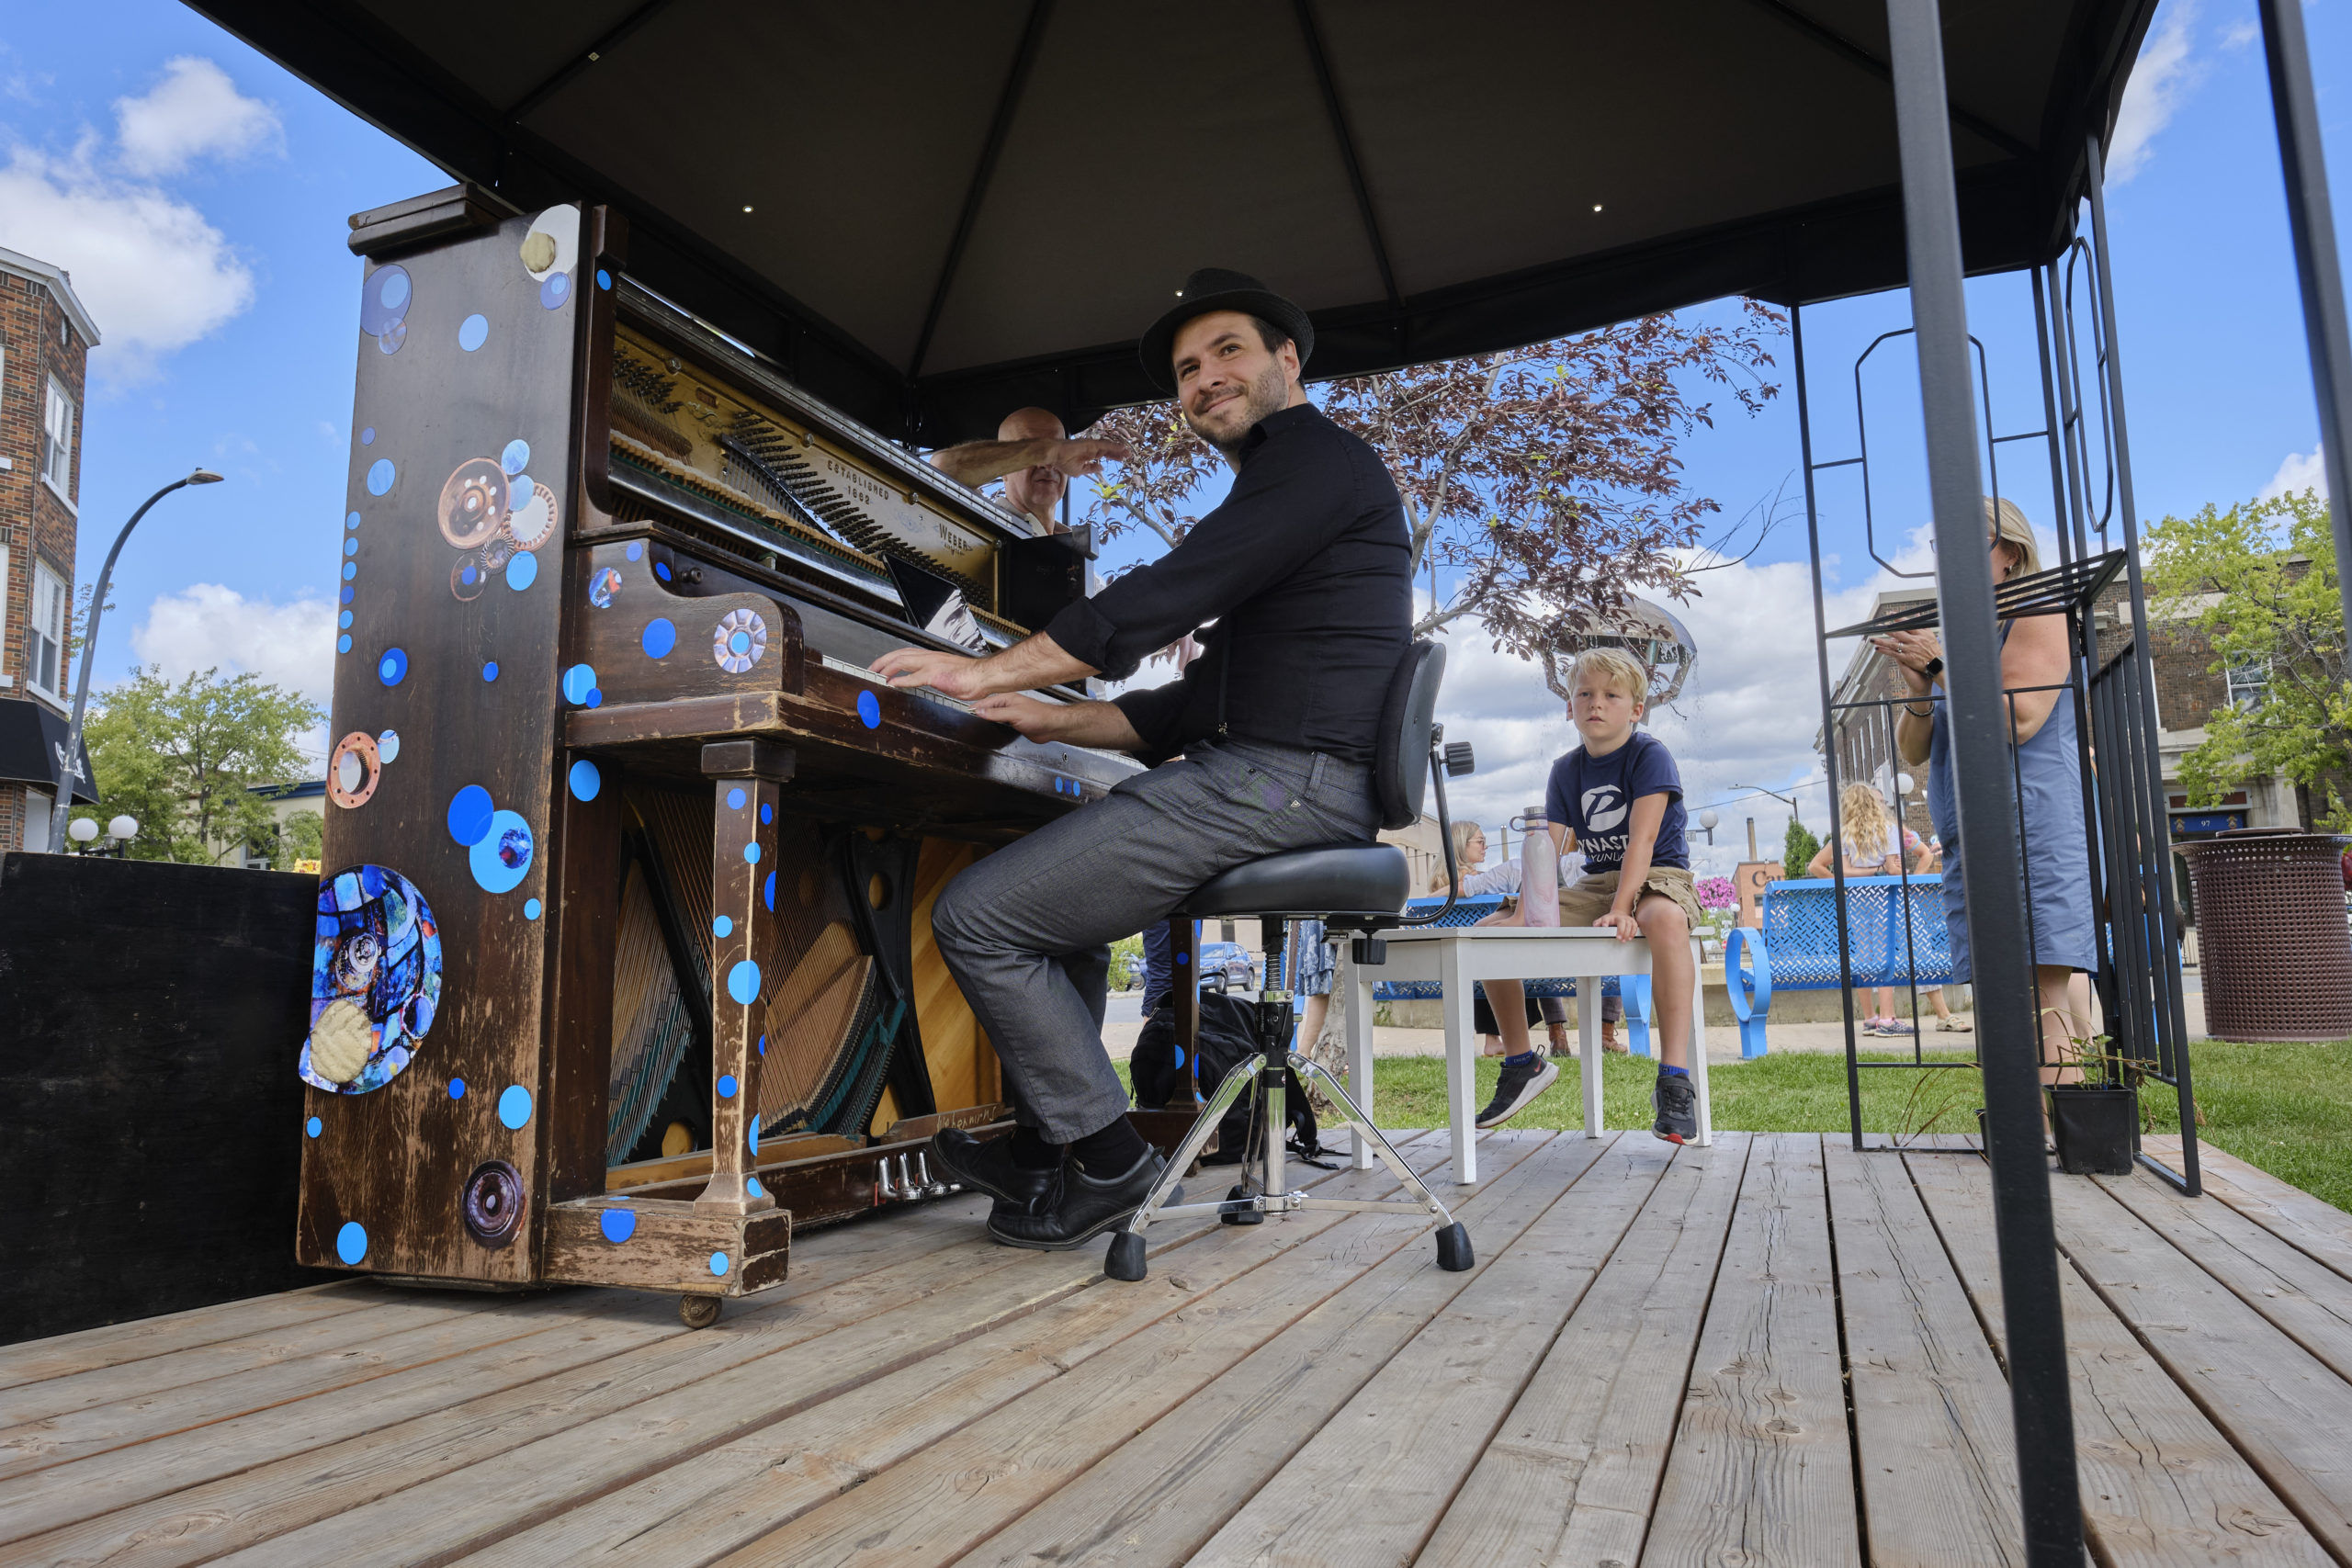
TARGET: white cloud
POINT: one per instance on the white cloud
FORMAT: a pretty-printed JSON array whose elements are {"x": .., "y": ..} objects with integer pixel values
[
  {"x": 2162, "y": 78},
  {"x": 2299, "y": 473},
  {"x": 193, "y": 112},
  {"x": 155, "y": 276},
  {"x": 206, "y": 627}
]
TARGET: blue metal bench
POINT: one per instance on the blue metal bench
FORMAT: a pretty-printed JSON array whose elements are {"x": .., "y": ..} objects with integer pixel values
[
  {"x": 1894, "y": 934},
  {"x": 1469, "y": 912}
]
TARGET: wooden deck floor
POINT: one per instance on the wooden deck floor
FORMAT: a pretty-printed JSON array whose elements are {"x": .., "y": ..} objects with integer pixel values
[{"x": 1773, "y": 1351}]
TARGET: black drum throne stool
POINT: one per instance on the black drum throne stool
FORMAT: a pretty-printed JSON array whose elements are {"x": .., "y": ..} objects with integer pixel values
[{"x": 1355, "y": 887}]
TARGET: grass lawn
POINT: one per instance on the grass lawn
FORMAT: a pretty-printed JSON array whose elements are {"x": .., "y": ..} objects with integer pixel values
[{"x": 2286, "y": 1108}]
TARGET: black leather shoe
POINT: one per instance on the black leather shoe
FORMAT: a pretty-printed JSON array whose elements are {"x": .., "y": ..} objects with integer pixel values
[
  {"x": 1080, "y": 1207},
  {"x": 985, "y": 1164}
]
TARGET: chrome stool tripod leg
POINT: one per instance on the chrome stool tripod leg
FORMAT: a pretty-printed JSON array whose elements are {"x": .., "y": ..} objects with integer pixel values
[
  {"x": 1189, "y": 1149},
  {"x": 1454, "y": 1250}
]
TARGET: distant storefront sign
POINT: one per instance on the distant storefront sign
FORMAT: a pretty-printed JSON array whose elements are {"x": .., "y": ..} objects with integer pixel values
[{"x": 2210, "y": 823}]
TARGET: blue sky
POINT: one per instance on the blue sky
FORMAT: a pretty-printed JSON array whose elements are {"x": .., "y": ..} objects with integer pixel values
[{"x": 199, "y": 194}]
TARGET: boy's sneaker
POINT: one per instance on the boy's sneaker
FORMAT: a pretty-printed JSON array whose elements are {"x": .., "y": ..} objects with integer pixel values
[
  {"x": 1676, "y": 1105},
  {"x": 1896, "y": 1026},
  {"x": 1518, "y": 1085}
]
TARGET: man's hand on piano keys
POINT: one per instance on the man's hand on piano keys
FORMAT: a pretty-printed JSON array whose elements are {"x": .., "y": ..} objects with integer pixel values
[
  {"x": 950, "y": 675},
  {"x": 1079, "y": 723}
]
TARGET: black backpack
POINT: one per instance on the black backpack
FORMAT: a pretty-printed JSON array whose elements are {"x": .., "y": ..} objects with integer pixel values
[{"x": 1164, "y": 1080}]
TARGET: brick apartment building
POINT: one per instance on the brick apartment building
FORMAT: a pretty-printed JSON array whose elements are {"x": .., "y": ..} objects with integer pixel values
[
  {"x": 46, "y": 336},
  {"x": 2188, "y": 690}
]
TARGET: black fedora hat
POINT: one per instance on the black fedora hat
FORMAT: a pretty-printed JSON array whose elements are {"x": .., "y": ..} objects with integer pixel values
[{"x": 1216, "y": 288}]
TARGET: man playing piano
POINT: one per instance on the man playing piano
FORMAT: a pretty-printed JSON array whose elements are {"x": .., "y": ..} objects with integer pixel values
[
  {"x": 1304, "y": 569},
  {"x": 1036, "y": 459}
]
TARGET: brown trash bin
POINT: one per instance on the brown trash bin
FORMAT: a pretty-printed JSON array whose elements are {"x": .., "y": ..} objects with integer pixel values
[{"x": 2274, "y": 949}]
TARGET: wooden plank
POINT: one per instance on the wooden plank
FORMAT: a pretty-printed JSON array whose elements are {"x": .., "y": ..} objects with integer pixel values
[
  {"x": 153, "y": 1378},
  {"x": 2284, "y": 1411},
  {"x": 2310, "y": 1303},
  {"x": 1761, "y": 1473},
  {"x": 1373, "y": 1476},
  {"x": 987, "y": 1474},
  {"x": 532, "y": 1481},
  {"x": 1931, "y": 1407},
  {"x": 2162, "y": 1487},
  {"x": 284, "y": 1467},
  {"x": 670, "y": 1244},
  {"x": 118, "y": 1343},
  {"x": 2309, "y": 1224},
  {"x": 694, "y": 1511},
  {"x": 1571, "y": 1475}
]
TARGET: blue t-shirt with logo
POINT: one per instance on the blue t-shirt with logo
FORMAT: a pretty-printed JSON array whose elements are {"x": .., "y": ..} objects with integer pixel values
[{"x": 1594, "y": 796}]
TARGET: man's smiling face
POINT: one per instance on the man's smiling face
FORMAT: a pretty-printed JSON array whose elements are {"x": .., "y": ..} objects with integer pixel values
[{"x": 1227, "y": 379}]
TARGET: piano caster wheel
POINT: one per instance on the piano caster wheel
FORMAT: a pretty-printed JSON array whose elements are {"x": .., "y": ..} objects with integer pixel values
[
  {"x": 1247, "y": 1216},
  {"x": 698, "y": 1312},
  {"x": 1453, "y": 1249},
  {"x": 1126, "y": 1260}
]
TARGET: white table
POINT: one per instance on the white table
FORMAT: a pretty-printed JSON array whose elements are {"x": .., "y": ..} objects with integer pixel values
[{"x": 1455, "y": 956}]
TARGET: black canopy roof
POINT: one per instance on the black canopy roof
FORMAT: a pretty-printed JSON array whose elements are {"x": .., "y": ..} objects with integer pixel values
[{"x": 931, "y": 211}]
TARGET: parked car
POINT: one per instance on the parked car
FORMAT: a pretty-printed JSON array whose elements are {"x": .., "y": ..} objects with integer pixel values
[{"x": 1226, "y": 967}]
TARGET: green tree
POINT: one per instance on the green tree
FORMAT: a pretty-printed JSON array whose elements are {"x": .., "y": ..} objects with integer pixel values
[
  {"x": 2256, "y": 584},
  {"x": 1798, "y": 849},
  {"x": 183, "y": 759},
  {"x": 300, "y": 837},
  {"x": 1126, "y": 962}
]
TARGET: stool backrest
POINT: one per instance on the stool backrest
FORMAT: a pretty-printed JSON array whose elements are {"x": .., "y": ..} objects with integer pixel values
[{"x": 1401, "y": 768}]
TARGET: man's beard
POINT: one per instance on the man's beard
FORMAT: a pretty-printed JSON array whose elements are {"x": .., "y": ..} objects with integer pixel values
[{"x": 1266, "y": 395}]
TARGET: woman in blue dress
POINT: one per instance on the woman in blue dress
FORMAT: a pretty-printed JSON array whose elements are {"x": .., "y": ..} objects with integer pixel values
[{"x": 2034, "y": 653}]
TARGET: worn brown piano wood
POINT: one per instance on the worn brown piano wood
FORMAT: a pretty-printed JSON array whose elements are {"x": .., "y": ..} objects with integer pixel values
[{"x": 668, "y": 553}]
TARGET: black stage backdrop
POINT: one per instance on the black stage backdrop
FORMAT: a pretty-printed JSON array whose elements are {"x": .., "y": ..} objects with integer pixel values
[{"x": 150, "y": 1121}]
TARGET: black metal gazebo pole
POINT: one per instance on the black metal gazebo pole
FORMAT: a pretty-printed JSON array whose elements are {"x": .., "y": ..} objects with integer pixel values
[
  {"x": 2311, "y": 220},
  {"x": 2002, "y": 963}
]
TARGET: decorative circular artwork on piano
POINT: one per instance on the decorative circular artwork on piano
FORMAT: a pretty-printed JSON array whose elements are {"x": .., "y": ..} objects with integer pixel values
[
  {"x": 739, "y": 640},
  {"x": 467, "y": 577},
  {"x": 532, "y": 522},
  {"x": 374, "y": 980},
  {"x": 354, "y": 768},
  {"x": 384, "y": 300},
  {"x": 493, "y": 1204},
  {"x": 602, "y": 586},
  {"x": 473, "y": 503},
  {"x": 497, "y": 553}
]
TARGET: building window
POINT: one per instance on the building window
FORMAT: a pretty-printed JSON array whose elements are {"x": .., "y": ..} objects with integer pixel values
[
  {"x": 45, "y": 639},
  {"x": 2249, "y": 680},
  {"x": 57, "y": 440}
]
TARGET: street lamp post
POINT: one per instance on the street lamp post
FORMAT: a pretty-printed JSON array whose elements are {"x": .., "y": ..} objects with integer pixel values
[
  {"x": 72, "y": 760},
  {"x": 1788, "y": 800}
]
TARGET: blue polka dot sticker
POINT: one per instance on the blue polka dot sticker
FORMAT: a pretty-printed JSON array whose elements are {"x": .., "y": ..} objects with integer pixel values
[
  {"x": 722, "y": 926},
  {"x": 350, "y": 570},
  {"x": 490, "y": 670},
  {"x": 751, "y": 853},
  {"x": 727, "y": 1086},
  {"x": 660, "y": 637},
  {"x": 392, "y": 668},
  {"x": 751, "y": 1185},
  {"x": 515, "y": 1106},
  {"x": 619, "y": 1225},
  {"x": 380, "y": 475},
  {"x": 734, "y": 800},
  {"x": 517, "y": 456},
  {"x": 767, "y": 812},
  {"x": 315, "y": 1126},
  {"x": 521, "y": 572},
  {"x": 343, "y": 643},
  {"x": 869, "y": 709},
  {"x": 501, "y": 856},
  {"x": 585, "y": 780},
  {"x": 718, "y": 1264},
  {"x": 456, "y": 1089},
  {"x": 531, "y": 909},
  {"x": 352, "y": 521},
  {"x": 351, "y": 1242},
  {"x": 604, "y": 279},
  {"x": 578, "y": 682},
  {"x": 472, "y": 333},
  {"x": 743, "y": 982},
  {"x": 367, "y": 436},
  {"x": 470, "y": 810},
  {"x": 752, "y": 1137},
  {"x": 767, "y": 892}
]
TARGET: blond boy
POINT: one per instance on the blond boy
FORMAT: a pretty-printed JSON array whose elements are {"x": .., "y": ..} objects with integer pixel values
[{"x": 1617, "y": 798}]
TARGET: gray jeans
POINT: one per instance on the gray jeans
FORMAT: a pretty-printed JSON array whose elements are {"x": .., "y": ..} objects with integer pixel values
[{"x": 1011, "y": 923}]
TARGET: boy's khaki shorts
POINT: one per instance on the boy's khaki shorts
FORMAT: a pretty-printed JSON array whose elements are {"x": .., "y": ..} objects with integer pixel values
[{"x": 1588, "y": 901}]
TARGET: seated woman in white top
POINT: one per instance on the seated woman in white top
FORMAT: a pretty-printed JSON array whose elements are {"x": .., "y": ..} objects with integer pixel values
[{"x": 1873, "y": 845}]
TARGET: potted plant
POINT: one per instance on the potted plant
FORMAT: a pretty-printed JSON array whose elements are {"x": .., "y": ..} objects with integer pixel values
[{"x": 2092, "y": 1123}]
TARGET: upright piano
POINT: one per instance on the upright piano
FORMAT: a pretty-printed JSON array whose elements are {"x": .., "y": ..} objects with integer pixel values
[{"x": 623, "y": 960}]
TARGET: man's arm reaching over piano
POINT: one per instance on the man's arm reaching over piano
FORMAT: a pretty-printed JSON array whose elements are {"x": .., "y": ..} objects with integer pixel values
[{"x": 993, "y": 686}]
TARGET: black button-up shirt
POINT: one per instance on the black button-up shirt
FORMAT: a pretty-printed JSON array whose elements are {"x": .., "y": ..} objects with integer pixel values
[{"x": 1306, "y": 569}]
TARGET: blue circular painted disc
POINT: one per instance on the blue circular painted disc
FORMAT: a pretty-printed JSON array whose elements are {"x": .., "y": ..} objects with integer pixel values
[
  {"x": 473, "y": 332},
  {"x": 752, "y": 1137},
  {"x": 456, "y": 1089},
  {"x": 517, "y": 455},
  {"x": 719, "y": 1263},
  {"x": 501, "y": 858},
  {"x": 521, "y": 572},
  {"x": 619, "y": 1225},
  {"x": 351, "y": 521},
  {"x": 585, "y": 780},
  {"x": 751, "y": 1185},
  {"x": 752, "y": 855},
  {"x": 392, "y": 668},
  {"x": 380, "y": 475},
  {"x": 727, "y": 1086},
  {"x": 532, "y": 908},
  {"x": 367, "y": 436},
  {"x": 869, "y": 709},
  {"x": 636, "y": 548},
  {"x": 767, "y": 812},
  {"x": 344, "y": 620},
  {"x": 351, "y": 1242},
  {"x": 315, "y": 1126},
  {"x": 743, "y": 982},
  {"x": 578, "y": 682},
  {"x": 660, "y": 637},
  {"x": 490, "y": 670},
  {"x": 350, "y": 570},
  {"x": 662, "y": 569},
  {"x": 768, "y": 892},
  {"x": 734, "y": 800},
  {"x": 515, "y": 1106},
  {"x": 343, "y": 643},
  {"x": 351, "y": 547},
  {"x": 470, "y": 810},
  {"x": 555, "y": 290},
  {"x": 349, "y": 593},
  {"x": 723, "y": 925}
]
